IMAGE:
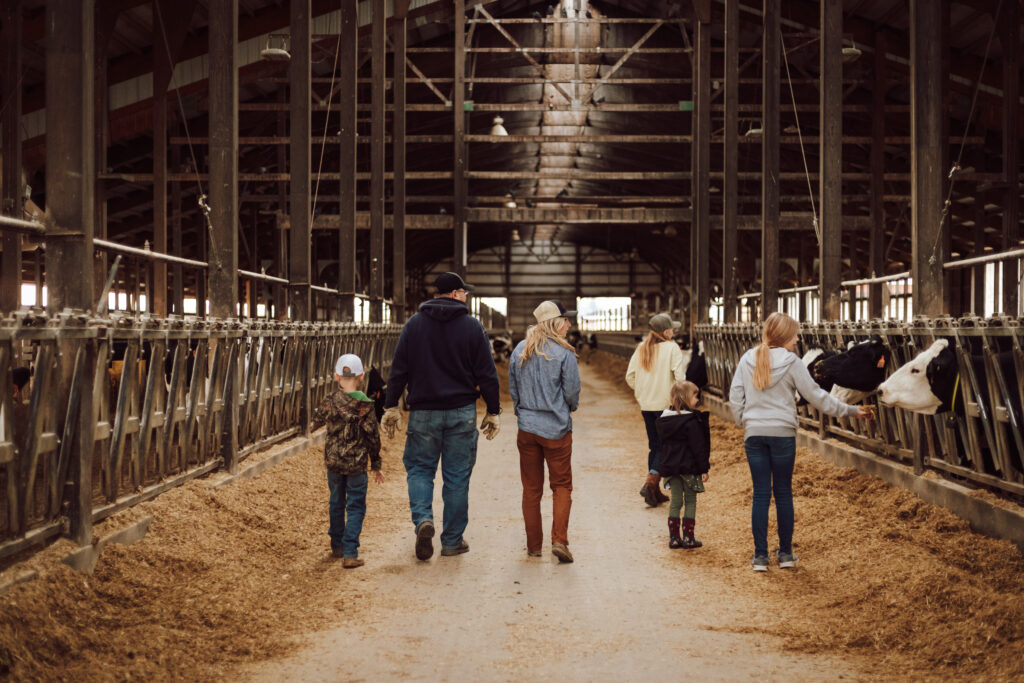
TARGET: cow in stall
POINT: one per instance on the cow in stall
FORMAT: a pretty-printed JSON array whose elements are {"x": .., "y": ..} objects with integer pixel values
[
  {"x": 501, "y": 346},
  {"x": 931, "y": 383},
  {"x": 584, "y": 343},
  {"x": 850, "y": 375},
  {"x": 697, "y": 367},
  {"x": 376, "y": 389}
]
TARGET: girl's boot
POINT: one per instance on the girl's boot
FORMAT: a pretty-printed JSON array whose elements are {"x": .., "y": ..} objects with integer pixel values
[
  {"x": 688, "y": 541},
  {"x": 673, "y": 533}
]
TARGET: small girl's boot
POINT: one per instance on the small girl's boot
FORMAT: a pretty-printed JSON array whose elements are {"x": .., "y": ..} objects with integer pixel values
[
  {"x": 688, "y": 541},
  {"x": 673, "y": 533}
]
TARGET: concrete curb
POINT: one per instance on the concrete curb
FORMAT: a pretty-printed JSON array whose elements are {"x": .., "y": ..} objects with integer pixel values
[
  {"x": 984, "y": 517},
  {"x": 300, "y": 444},
  {"x": 84, "y": 559},
  {"x": 23, "y": 577}
]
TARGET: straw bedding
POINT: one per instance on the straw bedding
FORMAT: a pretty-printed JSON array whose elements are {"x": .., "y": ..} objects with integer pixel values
[{"x": 882, "y": 574}]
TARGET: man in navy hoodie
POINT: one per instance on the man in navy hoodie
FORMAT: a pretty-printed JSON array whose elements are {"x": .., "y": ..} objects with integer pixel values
[{"x": 444, "y": 358}]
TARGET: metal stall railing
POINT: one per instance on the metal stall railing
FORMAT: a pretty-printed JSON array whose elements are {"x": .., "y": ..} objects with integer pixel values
[
  {"x": 171, "y": 399},
  {"x": 982, "y": 442}
]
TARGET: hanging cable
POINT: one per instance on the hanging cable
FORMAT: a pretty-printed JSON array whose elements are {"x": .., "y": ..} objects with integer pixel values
[
  {"x": 800, "y": 137},
  {"x": 204, "y": 207},
  {"x": 956, "y": 168},
  {"x": 327, "y": 119}
]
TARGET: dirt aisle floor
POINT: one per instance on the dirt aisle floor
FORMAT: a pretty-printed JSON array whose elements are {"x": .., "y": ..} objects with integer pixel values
[
  {"x": 237, "y": 583},
  {"x": 628, "y": 608}
]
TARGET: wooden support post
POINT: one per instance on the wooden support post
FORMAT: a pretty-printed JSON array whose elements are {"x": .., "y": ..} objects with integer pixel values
[
  {"x": 377, "y": 124},
  {"x": 81, "y": 461},
  {"x": 700, "y": 267},
  {"x": 876, "y": 245},
  {"x": 830, "y": 168},
  {"x": 177, "y": 243},
  {"x": 69, "y": 153},
  {"x": 299, "y": 108},
  {"x": 1009, "y": 26},
  {"x": 730, "y": 199},
  {"x": 398, "y": 151},
  {"x": 281, "y": 292},
  {"x": 106, "y": 21},
  {"x": 162, "y": 68},
  {"x": 224, "y": 158},
  {"x": 770, "y": 160},
  {"x": 978, "y": 271},
  {"x": 459, "y": 131},
  {"x": 348, "y": 67},
  {"x": 926, "y": 115},
  {"x": 11, "y": 200}
]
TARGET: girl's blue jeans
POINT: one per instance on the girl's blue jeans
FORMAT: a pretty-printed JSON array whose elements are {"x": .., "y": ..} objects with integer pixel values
[{"x": 771, "y": 461}]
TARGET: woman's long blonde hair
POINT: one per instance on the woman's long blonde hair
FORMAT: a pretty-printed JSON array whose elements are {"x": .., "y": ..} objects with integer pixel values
[
  {"x": 779, "y": 328},
  {"x": 647, "y": 348},
  {"x": 537, "y": 337}
]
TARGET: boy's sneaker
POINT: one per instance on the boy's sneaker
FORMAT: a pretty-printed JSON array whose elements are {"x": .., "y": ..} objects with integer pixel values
[
  {"x": 787, "y": 560},
  {"x": 462, "y": 547},
  {"x": 424, "y": 542},
  {"x": 759, "y": 563}
]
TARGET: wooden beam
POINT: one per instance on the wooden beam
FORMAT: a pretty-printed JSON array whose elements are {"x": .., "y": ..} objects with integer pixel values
[
  {"x": 69, "y": 153},
  {"x": 876, "y": 245},
  {"x": 730, "y": 160},
  {"x": 11, "y": 201},
  {"x": 377, "y": 125},
  {"x": 1009, "y": 35},
  {"x": 459, "y": 176},
  {"x": 300, "y": 131},
  {"x": 830, "y": 184},
  {"x": 223, "y": 152},
  {"x": 770, "y": 159},
  {"x": 927, "y": 223},
  {"x": 348, "y": 67},
  {"x": 398, "y": 150},
  {"x": 700, "y": 233}
]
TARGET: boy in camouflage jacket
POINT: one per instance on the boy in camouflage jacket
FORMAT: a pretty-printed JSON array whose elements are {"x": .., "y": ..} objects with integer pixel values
[{"x": 353, "y": 438}]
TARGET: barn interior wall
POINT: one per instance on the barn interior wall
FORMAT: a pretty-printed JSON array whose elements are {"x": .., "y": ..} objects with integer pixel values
[{"x": 547, "y": 270}]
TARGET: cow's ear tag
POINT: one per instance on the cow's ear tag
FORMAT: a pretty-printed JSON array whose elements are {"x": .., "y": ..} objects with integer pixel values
[{"x": 881, "y": 362}]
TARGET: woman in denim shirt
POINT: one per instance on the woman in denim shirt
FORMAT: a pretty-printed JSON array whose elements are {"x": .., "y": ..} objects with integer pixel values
[{"x": 544, "y": 382}]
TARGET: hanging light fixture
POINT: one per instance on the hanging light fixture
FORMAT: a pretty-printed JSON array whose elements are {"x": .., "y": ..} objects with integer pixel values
[
  {"x": 510, "y": 202},
  {"x": 496, "y": 126},
  {"x": 851, "y": 54},
  {"x": 515, "y": 234},
  {"x": 276, "y": 54},
  {"x": 754, "y": 132}
]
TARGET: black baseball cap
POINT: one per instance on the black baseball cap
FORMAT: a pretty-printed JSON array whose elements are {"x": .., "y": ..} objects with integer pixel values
[{"x": 449, "y": 282}]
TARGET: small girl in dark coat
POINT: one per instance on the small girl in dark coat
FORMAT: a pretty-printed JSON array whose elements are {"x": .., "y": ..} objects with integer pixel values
[{"x": 685, "y": 459}]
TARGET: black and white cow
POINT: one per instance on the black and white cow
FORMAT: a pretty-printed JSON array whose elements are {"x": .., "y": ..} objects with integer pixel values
[
  {"x": 697, "y": 368},
  {"x": 849, "y": 375},
  {"x": 931, "y": 383},
  {"x": 501, "y": 347}
]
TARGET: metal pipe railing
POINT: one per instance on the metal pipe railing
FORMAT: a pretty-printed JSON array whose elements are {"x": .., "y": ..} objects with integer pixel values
[
  {"x": 987, "y": 258},
  {"x": 147, "y": 253},
  {"x": 264, "y": 277},
  {"x": 788, "y": 290},
  {"x": 20, "y": 225},
  {"x": 875, "y": 280}
]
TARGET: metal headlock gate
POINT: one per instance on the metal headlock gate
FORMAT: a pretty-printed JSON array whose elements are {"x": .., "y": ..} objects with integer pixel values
[
  {"x": 984, "y": 443},
  {"x": 122, "y": 409}
]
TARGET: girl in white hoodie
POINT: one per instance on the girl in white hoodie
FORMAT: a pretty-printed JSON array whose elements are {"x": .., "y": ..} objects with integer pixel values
[{"x": 762, "y": 399}]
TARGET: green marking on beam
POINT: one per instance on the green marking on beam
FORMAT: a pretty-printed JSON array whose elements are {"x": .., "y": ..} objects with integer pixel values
[
  {"x": 467, "y": 105},
  {"x": 685, "y": 105}
]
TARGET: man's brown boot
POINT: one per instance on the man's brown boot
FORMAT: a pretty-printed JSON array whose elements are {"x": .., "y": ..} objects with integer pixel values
[{"x": 650, "y": 490}]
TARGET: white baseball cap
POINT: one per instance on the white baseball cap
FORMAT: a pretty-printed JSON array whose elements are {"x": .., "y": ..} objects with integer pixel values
[{"x": 349, "y": 365}]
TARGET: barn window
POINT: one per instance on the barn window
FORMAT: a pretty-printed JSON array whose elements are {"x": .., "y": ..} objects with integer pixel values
[
  {"x": 607, "y": 313},
  {"x": 492, "y": 311}
]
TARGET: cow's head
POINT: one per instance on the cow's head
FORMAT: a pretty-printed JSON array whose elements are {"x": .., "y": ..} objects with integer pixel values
[
  {"x": 926, "y": 383},
  {"x": 860, "y": 367}
]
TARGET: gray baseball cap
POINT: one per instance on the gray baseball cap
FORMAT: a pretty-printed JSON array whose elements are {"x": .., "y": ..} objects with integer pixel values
[{"x": 662, "y": 322}]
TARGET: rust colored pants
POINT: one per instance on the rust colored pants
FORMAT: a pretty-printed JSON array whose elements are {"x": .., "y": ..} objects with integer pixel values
[{"x": 534, "y": 451}]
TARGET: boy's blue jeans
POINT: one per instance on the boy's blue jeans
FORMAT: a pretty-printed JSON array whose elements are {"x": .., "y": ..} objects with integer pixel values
[
  {"x": 348, "y": 496},
  {"x": 771, "y": 461},
  {"x": 448, "y": 436}
]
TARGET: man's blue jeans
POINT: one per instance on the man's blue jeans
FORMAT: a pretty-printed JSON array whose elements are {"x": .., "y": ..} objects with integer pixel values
[
  {"x": 448, "y": 436},
  {"x": 348, "y": 498},
  {"x": 771, "y": 461}
]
